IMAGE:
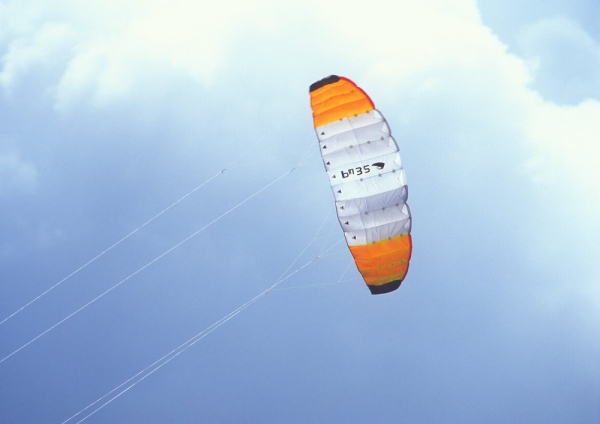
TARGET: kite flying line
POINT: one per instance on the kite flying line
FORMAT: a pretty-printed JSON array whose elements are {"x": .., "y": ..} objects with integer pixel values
[
  {"x": 155, "y": 366},
  {"x": 98, "y": 256},
  {"x": 152, "y": 261},
  {"x": 108, "y": 249}
]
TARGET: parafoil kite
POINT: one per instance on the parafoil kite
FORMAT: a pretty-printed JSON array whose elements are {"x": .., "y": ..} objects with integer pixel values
[{"x": 367, "y": 179}]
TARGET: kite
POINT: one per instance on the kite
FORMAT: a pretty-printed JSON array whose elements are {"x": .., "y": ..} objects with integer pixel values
[{"x": 366, "y": 175}]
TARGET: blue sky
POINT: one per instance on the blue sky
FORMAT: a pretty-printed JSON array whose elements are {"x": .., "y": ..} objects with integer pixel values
[{"x": 111, "y": 111}]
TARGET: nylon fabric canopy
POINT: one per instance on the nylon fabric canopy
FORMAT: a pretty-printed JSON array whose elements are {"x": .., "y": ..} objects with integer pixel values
[{"x": 366, "y": 175}]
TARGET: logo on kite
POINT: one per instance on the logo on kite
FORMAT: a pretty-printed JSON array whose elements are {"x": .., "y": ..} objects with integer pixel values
[
  {"x": 359, "y": 171},
  {"x": 379, "y": 165}
]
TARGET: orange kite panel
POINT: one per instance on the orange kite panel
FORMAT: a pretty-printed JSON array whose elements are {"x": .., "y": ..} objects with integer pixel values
[{"x": 338, "y": 100}]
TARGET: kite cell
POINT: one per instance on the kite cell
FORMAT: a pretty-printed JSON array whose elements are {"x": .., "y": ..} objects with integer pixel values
[{"x": 367, "y": 179}]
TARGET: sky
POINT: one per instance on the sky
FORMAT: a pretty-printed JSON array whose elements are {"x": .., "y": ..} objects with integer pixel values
[{"x": 112, "y": 111}]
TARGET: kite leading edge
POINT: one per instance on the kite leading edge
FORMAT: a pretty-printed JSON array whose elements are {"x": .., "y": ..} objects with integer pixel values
[{"x": 363, "y": 163}]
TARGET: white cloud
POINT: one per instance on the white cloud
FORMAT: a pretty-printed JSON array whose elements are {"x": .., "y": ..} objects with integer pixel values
[
  {"x": 112, "y": 47},
  {"x": 572, "y": 132},
  {"x": 40, "y": 49},
  {"x": 117, "y": 49},
  {"x": 566, "y": 59},
  {"x": 567, "y": 139},
  {"x": 402, "y": 39},
  {"x": 426, "y": 48}
]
